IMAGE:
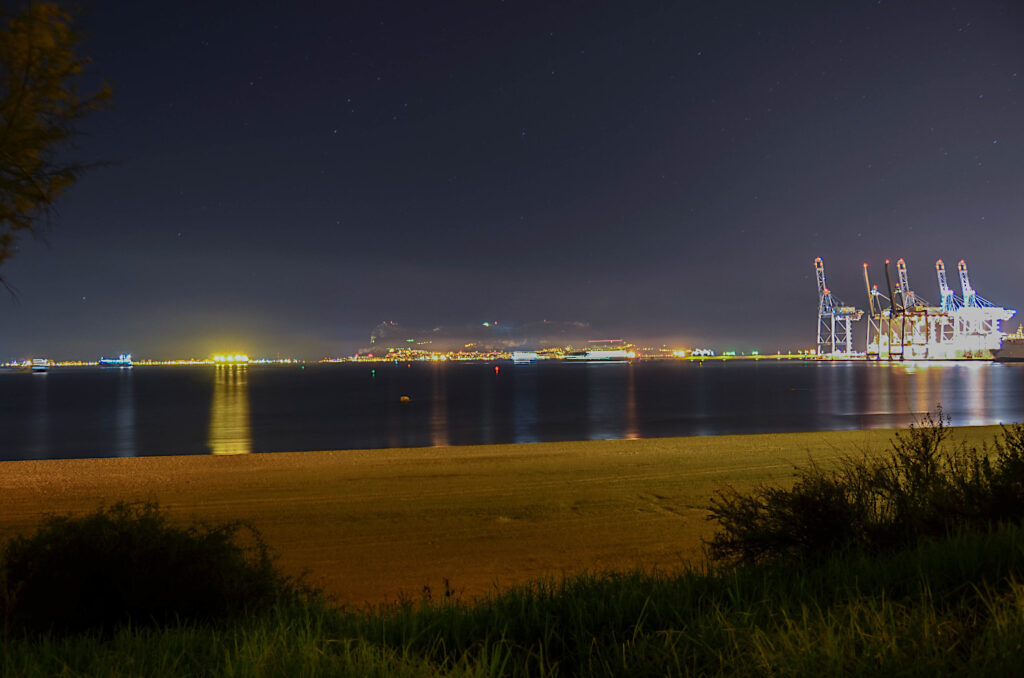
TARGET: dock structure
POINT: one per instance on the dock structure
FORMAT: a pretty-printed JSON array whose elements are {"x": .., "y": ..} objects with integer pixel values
[{"x": 904, "y": 326}]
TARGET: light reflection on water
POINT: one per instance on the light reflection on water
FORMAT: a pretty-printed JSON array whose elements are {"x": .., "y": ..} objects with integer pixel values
[
  {"x": 39, "y": 435},
  {"x": 632, "y": 432},
  {"x": 81, "y": 412},
  {"x": 525, "y": 403},
  {"x": 901, "y": 393},
  {"x": 608, "y": 400},
  {"x": 230, "y": 429},
  {"x": 124, "y": 415},
  {"x": 439, "y": 410}
]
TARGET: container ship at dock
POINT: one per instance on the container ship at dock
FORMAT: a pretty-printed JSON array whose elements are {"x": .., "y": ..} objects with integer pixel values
[{"x": 1012, "y": 348}]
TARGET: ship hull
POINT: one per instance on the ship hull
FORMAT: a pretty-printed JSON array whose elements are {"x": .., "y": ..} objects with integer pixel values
[{"x": 1009, "y": 353}]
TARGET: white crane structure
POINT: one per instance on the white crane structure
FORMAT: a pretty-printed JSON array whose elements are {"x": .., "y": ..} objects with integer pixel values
[
  {"x": 876, "y": 308},
  {"x": 970, "y": 296},
  {"x": 949, "y": 300},
  {"x": 911, "y": 329},
  {"x": 835, "y": 337},
  {"x": 907, "y": 297},
  {"x": 978, "y": 320}
]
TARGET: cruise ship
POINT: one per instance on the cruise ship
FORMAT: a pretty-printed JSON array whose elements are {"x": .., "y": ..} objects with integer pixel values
[
  {"x": 39, "y": 365},
  {"x": 1012, "y": 348}
]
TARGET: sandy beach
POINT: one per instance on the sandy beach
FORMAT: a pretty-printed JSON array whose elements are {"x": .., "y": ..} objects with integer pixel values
[{"x": 372, "y": 525}]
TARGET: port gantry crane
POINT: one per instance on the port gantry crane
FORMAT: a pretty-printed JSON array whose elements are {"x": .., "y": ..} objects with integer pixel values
[
  {"x": 971, "y": 299},
  {"x": 949, "y": 302},
  {"x": 902, "y": 325},
  {"x": 945, "y": 334},
  {"x": 920, "y": 323},
  {"x": 907, "y": 297},
  {"x": 977, "y": 328},
  {"x": 835, "y": 337},
  {"x": 878, "y": 316}
]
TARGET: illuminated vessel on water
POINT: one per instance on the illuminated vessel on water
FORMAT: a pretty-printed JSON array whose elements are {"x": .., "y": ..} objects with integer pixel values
[
  {"x": 123, "y": 360},
  {"x": 525, "y": 357},
  {"x": 601, "y": 355},
  {"x": 39, "y": 365},
  {"x": 603, "y": 351},
  {"x": 1012, "y": 348}
]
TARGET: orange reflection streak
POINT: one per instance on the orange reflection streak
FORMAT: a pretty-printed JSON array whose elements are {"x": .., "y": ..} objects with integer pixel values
[
  {"x": 439, "y": 411},
  {"x": 632, "y": 432},
  {"x": 230, "y": 430}
]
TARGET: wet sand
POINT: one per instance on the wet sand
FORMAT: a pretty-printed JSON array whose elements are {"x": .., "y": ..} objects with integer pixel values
[{"x": 372, "y": 525}]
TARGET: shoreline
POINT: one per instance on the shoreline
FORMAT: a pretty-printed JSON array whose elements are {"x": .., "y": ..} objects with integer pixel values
[{"x": 373, "y": 526}]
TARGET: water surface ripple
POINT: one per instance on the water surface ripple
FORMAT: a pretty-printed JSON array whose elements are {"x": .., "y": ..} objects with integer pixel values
[{"x": 95, "y": 412}]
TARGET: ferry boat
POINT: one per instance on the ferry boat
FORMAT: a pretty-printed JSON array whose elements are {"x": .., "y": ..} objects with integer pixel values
[
  {"x": 526, "y": 357},
  {"x": 603, "y": 351},
  {"x": 39, "y": 365},
  {"x": 601, "y": 355},
  {"x": 123, "y": 360},
  {"x": 1012, "y": 348}
]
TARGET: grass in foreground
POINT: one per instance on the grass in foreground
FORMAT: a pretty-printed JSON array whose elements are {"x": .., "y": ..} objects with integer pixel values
[
  {"x": 953, "y": 606},
  {"x": 908, "y": 564}
]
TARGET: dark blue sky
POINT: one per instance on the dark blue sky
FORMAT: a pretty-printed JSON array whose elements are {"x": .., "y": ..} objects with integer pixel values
[{"x": 287, "y": 175}]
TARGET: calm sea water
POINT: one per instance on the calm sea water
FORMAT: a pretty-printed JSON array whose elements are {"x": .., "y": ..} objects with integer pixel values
[{"x": 95, "y": 412}]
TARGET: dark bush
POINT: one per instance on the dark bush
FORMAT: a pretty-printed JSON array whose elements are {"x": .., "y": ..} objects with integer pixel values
[
  {"x": 126, "y": 564},
  {"x": 918, "y": 488}
]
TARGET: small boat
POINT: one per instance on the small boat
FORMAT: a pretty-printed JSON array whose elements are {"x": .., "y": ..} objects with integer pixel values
[
  {"x": 39, "y": 365},
  {"x": 123, "y": 360}
]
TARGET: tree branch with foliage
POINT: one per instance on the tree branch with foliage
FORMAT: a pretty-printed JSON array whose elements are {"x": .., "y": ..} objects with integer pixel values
[{"x": 40, "y": 108}]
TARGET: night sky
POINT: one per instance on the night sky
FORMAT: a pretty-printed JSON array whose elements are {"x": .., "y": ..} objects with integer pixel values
[{"x": 285, "y": 176}]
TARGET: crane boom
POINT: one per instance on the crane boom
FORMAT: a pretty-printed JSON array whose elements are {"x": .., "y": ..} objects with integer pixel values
[
  {"x": 906, "y": 296},
  {"x": 947, "y": 303},
  {"x": 892, "y": 297},
  {"x": 970, "y": 296},
  {"x": 819, "y": 270},
  {"x": 867, "y": 287}
]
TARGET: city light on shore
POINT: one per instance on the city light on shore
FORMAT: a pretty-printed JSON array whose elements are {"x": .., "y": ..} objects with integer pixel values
[{"x": 235, "y": 359}]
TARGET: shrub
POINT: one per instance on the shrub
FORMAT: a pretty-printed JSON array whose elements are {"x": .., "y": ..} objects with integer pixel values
[
  {"x": 919, "y": 488},
  {"x": 126, "y": 565}
]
